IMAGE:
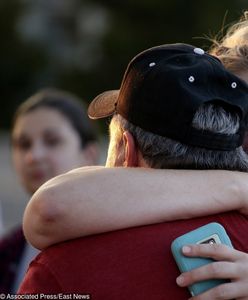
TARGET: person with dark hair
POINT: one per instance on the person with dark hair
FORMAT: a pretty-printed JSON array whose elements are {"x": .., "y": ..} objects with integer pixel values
[
  {"x": 40, "y": 151},
  {"x": 51, "y": 134},
  {"x": 177, "y": 107}
]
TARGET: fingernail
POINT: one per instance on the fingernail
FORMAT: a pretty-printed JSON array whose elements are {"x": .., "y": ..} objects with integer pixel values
[
  {"x": 186, "y": 249},
  {"x": 180, "y": 280}
]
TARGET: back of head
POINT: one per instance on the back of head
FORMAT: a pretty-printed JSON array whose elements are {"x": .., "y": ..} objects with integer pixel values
[
  {"x": 70, "y": 106},
  {"x": 165, "y": 153},
  {"x": 184, "y": 109}
]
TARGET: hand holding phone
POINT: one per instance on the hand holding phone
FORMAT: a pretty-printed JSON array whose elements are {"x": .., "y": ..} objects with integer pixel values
[{"x": 211, "y": 233}]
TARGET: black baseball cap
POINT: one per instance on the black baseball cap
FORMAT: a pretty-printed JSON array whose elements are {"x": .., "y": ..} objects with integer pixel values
[{"x": 164, "y": 86}]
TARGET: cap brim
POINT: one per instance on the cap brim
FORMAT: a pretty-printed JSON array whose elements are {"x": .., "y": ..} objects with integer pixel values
[{"x": 103, "y": 105}]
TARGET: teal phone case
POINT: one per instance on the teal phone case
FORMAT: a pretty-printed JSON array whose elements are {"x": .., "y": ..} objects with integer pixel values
[{"x": 205, "y": 234}]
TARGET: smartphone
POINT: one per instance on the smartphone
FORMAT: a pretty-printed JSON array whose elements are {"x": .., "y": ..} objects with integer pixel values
[{"x": 212, "y": 233}]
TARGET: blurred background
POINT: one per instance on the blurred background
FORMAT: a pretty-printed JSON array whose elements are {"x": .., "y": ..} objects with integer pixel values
[{"x": 83, "y": 47}]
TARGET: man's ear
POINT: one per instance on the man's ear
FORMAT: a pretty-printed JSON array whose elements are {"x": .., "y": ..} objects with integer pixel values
[{"x": 131, "y": 151}]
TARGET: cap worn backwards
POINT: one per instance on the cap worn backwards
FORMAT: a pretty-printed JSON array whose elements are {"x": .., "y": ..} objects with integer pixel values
[{"x": 164, "y": 86}]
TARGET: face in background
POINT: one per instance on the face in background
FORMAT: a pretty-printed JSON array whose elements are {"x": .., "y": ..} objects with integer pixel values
[{"x": 45, "y": 144}]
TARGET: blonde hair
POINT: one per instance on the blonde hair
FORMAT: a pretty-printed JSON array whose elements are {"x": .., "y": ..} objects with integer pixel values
[{"x": 232, "y": 49}]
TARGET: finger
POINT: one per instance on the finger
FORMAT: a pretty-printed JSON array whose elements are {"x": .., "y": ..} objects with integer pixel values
[
  {"x": 225, "y": 291},
  {"x": 214, "y": 251},
  {"x": 215, "y": 270}
]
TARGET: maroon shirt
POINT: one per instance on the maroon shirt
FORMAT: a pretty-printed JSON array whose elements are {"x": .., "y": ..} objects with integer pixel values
[
  {"x": 11, "y": 250},
  {"x": 127, "y": 264}
]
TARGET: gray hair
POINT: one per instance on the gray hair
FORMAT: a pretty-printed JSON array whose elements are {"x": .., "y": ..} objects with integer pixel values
[{"x": 164, "y": 153}]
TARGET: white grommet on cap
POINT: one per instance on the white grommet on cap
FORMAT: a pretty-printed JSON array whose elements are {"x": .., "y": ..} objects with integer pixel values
[
  {"x": 234, "y": 85},
  {"x": 152, "y": 64},
  {"x": 199, "y": 51},
  {"x": 191, "y": 79}
]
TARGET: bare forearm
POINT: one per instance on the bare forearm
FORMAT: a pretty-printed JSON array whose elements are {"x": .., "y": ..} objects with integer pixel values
[{"x": 93, "y": 200}]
